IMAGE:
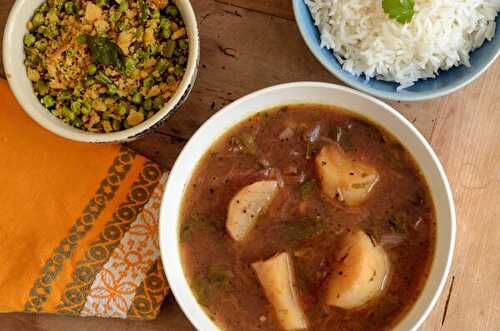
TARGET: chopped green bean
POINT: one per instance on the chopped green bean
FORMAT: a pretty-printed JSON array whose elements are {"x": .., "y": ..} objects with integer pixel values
[
  {"x": 158, "y": 102},
  {"x": 52, "y": 16},
  {"x": 77, "y": 123},
  {"x": 161, "y": 66},
  {"x": 122, "y": 109},
  {"x": 148, "y": 104},
  {"x": 85, "y": 109},
  {"x": 103, "y": 79},
  {"x": 166, "y": 33},
  {"x": 170, "y": 78},
  {"x": 148, "y": 82},
  {"x": 165, "y": 23},
  {"x": 29, "y": 40},
  {"x": 42, "y": 88},
  {"x": 123, "y": 25},
  {"x": 81, "y": 39},
  {"x": 115, "y": 16},
  {"x": 69, "y": 7},
  {"x": 41, "y": 45},
  {"x": 137, "y": 98},
  {"x": 181, "y": 60},
  {"x": 92, "y": 69},
  {"x": 183, "y": 44},
  {"x": 68, "y": 114},
  {"x": 43, "y": 8},
  {"x": 65, "y": 96},
  {"x": 88, "y": 82},
  {"x": 123, "y": 5},
  {"x": 170, "y": 48},
  {"x": 37, "y": 20},
  {"x": 179, "y": 71},
  {"x": 172, "y": 11},
  {"x": 130, "y": 64},
  {"x": 76, "y": 106},
  {"x": 116, "y": 124},
  {"x": 78, "y": 89},
  {"x": 48, "y": 101},
  {"x": 112, "y": 89}
]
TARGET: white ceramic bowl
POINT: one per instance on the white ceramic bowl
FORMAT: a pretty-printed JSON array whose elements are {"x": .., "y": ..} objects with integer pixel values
[
  {"x": 308, "y": 92},
  {"x": 13, "y": 60}
]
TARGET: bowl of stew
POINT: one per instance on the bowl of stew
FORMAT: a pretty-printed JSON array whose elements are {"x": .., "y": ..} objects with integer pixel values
[{"x": 307, "y": 206}]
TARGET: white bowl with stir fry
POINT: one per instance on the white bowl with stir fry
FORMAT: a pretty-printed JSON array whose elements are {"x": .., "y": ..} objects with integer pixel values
[
  {"x": 101, "y": 71},
  {"x": 307, "y": 206}
]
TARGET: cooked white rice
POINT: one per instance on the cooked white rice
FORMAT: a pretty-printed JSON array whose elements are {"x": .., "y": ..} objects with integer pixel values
[{"x": 440, "y": 35}]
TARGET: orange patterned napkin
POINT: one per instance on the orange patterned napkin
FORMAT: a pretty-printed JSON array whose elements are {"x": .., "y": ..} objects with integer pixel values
[{"x": 78, "y": 224}]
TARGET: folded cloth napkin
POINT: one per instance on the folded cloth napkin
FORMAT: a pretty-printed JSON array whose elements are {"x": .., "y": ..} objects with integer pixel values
[{"x": 78, "y": 224}]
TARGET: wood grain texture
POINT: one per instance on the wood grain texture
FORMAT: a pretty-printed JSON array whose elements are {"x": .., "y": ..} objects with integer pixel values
[
  {"x": 278, "y": 8},
  {"x": 250, "y": 44},
  {"x": 467, "y": 139}
]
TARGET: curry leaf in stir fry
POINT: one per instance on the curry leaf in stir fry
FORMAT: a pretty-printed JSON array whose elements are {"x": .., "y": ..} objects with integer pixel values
[
  {"x": 104, "y": 51},
  {"x": 143, "y": 15}
]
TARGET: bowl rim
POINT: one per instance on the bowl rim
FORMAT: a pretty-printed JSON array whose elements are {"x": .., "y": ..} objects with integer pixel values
[
  {"x": 55, "y": 125},
  {"x": 170, "y": 222},
  {"x": 394, "y": 96}
]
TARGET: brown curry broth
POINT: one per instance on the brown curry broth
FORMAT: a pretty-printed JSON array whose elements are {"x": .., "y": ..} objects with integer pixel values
[{"x": 219, "y": 268}]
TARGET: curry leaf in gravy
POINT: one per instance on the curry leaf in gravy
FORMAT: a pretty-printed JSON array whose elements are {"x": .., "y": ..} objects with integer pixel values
[
  {"x": 342, "y": 138},
  {"x": 398, "y": 225},
  {"x": 395, "y": 154},
  {"x": 186, "y": 234},
  {"x": 199, "y": 223},
  {"x": 307, "y": 188},
  {"x": 245, "y": 143},
  {"x": 214, "y": 279},
  {"x": 302, "y": 229},
  {"x": 309, "y": 150}
]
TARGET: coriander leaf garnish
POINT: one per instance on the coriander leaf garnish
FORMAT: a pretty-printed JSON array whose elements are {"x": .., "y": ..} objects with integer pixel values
[{"x": 400, "y": 10}]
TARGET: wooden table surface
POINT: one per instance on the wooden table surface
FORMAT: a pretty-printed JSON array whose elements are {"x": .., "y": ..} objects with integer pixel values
[{"x": 250, "y": 44}]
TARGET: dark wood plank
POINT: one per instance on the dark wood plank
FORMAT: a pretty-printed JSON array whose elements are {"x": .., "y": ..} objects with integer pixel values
[
  {"x": 278, "y": 8},
  {"x": 171, "y": 318}
]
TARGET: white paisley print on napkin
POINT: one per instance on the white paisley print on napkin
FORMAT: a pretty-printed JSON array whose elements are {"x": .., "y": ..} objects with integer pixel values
[{"x": 115, "y": 285}]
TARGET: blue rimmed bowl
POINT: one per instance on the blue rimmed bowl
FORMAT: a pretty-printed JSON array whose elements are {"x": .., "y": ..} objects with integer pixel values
[{"x": 446, "y": 82}]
